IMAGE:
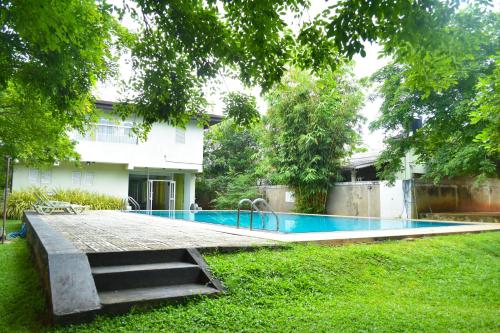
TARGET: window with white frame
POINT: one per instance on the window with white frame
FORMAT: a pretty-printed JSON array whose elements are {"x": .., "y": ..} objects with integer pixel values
[
  {"x": 33, "y": 176},
  {"x": 180, "y": 135},
  {"x": 38, "y": 177},
  {"x": 77, "y": 178},
  {"x": 88, "y": 178},
  {"x": 46, "y": 177}
]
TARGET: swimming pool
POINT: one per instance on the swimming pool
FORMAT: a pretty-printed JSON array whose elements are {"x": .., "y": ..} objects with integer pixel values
[{"x": 296, "y": 223}]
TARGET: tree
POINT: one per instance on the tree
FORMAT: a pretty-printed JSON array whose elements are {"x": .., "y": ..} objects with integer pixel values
[
  {"x": 231, "y": 154},
  {"x": 51, "y": 56},
  {"x": 57, "y": 51},
  {"x": 183, "y": 45},
  {"x": 312, "y": 125},
  {"x": 460, "y": 135}
]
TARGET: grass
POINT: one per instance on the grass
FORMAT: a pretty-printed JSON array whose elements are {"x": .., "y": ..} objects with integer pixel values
[
  {"x": 21, "y": 302},
  {"x": 440, "y": 284}
]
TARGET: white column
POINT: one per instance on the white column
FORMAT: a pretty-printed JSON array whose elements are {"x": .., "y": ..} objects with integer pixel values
[{"x": 189, "y": 189}]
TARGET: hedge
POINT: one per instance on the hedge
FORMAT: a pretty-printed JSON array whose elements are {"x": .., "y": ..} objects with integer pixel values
[{"x": 19, "y": 201}]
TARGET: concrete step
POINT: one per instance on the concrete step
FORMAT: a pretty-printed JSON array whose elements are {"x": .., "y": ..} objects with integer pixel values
[
  {"x": 149, "y": 275},
  {"x": 120, "y": 301},
  {"x": 143, "y": 267},
  {"x": 144, "y": 278},
  {"x": 154, "y": 293},
  {"x": 137, "y": 257}
]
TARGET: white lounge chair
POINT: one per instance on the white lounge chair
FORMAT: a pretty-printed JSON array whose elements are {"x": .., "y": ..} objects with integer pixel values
[{"x": 45, "y": 206}]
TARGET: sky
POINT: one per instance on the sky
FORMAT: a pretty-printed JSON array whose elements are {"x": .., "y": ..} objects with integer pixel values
[{"x": 362, "y": 67}]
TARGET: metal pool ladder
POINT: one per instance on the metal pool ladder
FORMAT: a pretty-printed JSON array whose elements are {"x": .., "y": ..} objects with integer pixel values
[
  {"x": 254, "y": 206},
  {"x": 135, "y": 205}
]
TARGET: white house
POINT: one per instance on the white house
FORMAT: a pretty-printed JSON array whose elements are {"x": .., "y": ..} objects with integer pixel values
[{"x": 158, "y": 173}]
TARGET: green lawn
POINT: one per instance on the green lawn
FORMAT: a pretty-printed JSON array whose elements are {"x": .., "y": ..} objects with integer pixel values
[
  {"x": 438, "y": 284},
  {"x": 12, "y": 225},
  {"x": 21, "y": 302}
]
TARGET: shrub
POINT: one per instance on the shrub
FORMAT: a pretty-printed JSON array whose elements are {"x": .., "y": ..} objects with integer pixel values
[
  {"x": 239, "y": 187},
  {"x": 96, "y": 201},
  {"x": 19, "y": 201}
]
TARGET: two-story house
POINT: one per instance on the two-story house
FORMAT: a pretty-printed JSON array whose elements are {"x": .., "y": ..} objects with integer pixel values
[{"x": 158, "y": 173}]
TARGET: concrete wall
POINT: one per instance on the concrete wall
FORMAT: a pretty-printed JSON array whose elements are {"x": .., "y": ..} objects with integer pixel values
[
  {"x": 404, "y": 199},
  {"x": 277, "y": 197},
  {"x": 111, "y": 179},
  {"x": 459, "y": 195},
  {"x": 354, "y": 199},
  {"x": 392, "y": 200},
  {"x": 161, "y": 150}
]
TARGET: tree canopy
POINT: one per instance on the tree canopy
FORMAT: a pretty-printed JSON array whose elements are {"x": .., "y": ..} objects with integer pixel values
[
  {"x": 51, "y": 56},
  {"x": 460, "y": 135},
  {"x": 53, "y": 53},
  {"x": 183, "y": 45},
  {"x": 312, "y": 125}
]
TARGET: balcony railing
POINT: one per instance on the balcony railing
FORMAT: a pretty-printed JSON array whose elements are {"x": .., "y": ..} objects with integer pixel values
[{"x": 109, "y": 133}]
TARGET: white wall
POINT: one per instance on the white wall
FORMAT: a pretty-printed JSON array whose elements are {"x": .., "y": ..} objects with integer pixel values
[
  {"x": 100, "y": 178},
  {"x": 159, "y": 151},
  {"x": 392, "y": 203}
]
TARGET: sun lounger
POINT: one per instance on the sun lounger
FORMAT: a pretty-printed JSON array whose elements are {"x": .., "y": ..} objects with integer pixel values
[{"x": 45, "y": 206}]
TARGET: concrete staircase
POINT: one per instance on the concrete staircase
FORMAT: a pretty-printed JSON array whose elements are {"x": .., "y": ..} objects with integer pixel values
[{"x": 143, "y": 278}]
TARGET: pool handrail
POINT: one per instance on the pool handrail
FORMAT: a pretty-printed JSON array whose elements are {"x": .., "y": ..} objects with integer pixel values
[
  {"x": 261, "y": 200},
  {"x": 134, "y": 203},
  {"x": 252, "y": 206}
]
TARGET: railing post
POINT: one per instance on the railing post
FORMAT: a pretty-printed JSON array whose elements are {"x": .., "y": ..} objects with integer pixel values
[
  {"x": 251, "y": 218},
  {"x": 238, "y": 220},
  {"x": 5, "y": 197}
]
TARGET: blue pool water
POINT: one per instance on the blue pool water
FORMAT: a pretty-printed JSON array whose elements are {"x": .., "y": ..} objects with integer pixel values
[{"x": 295, "y": 223}]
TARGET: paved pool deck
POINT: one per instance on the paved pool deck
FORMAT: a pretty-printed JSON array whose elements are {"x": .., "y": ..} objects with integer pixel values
[{"x": 109, "y": 231}]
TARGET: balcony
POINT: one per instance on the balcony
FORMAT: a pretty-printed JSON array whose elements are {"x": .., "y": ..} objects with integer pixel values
[{"x": 110, "y": 133}]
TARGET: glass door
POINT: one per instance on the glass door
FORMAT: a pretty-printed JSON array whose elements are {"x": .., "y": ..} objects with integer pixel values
[{"x": 160, "y": 195}]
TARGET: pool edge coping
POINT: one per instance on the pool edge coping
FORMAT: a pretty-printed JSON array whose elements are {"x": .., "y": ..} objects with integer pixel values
[{"x": 349, "y": 236}]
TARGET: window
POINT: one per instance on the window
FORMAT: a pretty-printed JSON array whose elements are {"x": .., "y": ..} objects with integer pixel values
[
  {"x": 37, "y": 177},
  {"x": 46, "y": 177},
  {"x": 77, "y": 178},
  {"x": 88, "y": 178},
  {"x": 33, "y": 176},
  {"x": 180, "y": 135}
]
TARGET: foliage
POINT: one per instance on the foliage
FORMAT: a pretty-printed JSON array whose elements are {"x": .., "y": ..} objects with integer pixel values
[
  {"x": 486, "y": 110},
  {"x": 241, "y": 108},
  {"x": 448, "y": 141},
  {"x": 96, "y": 201},
  {"x": 30, "y": 129},
  {"x": 51, "y": 56},
  {"x": 19, "y": 201},
  {"x": 311, "y": 128},
  {"x": 184, "y": 45},
  {"x": 401, "y": 286},
  {"x": 416, "y": 33},
  {"x": 239, "y": 186},
  {"x": 230, "y": 157}
]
